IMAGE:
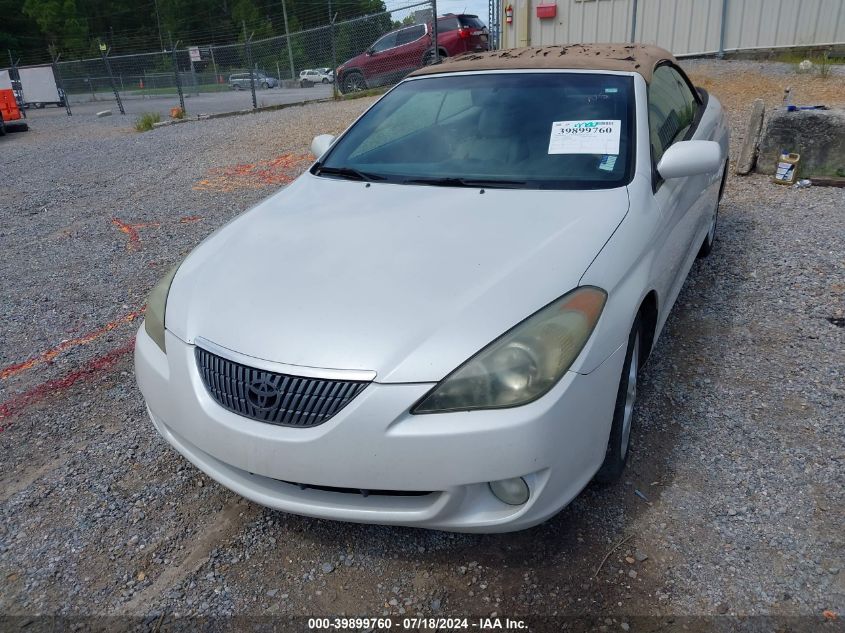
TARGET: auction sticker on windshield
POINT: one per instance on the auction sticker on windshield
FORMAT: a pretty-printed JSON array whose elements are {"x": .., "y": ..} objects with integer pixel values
[{"x": 585, "y": 137}]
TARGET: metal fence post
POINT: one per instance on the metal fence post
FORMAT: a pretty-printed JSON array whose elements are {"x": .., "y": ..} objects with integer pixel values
[
  {"x": 176, "y": 73},
  {"x": 17, "y": 76},
  {"x": 248, "y": 44},
  {"x": 334, "y": 48},
  {"x": 104, "y": 54},
  {"x": 213, "y": 63},
  {"x": 331, "y": 36},
  {"x": 493, "y": 30},
  {"x": 58, "y": 74},
  {"x": 434, "y": 31},
  {"x": 722, "y": 29}
]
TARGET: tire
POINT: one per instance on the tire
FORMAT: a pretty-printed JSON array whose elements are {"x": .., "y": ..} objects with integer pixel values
[
  {"x": 325, "y": 81},
  {"x": 2, "y": 127},
  {"x": 618, "y": 445},
  {"x": 264, "y": 85},
  {"x": 710, "y": 238},
  {"x": 354, "y": 82},
  {"x": 237, "y": 87},
  {"x": 428, "y": 58}
]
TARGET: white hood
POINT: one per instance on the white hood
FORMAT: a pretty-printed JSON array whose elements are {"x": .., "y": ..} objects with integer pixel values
[{"x": 406, "y": 281}]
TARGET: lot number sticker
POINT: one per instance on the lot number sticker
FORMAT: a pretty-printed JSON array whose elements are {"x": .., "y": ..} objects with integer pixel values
[{"x": 585, "y": 137}]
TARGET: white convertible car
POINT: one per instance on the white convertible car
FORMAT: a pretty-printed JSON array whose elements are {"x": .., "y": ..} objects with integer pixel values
[{"x": 440, "y": 324}]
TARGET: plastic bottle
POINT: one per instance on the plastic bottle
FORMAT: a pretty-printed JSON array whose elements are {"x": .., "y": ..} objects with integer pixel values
[{"x": 786, "y": 172}]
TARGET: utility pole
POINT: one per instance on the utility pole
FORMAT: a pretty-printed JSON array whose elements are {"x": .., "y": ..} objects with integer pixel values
[
  {"x": 158, "y": 23},
  {"x": 287, "y": 37}
]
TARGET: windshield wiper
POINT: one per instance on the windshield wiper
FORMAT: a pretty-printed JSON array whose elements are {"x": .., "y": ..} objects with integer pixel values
[
  {"x": 492, "y": 183},
  {"x": 347, "y": 172}
]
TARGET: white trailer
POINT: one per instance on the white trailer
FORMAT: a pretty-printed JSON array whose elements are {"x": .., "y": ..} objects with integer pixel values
[{"x": 39, "y": 88}]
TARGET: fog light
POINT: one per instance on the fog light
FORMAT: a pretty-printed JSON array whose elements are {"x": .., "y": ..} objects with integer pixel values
[{"x": 513, "y": 491}]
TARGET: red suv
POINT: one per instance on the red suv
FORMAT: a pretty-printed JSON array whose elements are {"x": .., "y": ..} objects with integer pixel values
[{"x": 394, "y": 55}]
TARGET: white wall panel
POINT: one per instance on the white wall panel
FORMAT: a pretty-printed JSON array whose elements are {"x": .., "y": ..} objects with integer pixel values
[{"x": 683, "y": 26}]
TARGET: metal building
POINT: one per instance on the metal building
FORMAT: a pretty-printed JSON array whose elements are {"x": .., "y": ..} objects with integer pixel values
[{"x": 684, "y": 27}]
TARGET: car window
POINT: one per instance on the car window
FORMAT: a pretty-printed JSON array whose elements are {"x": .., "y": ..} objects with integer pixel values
[
  {"x": 471, "y": 21},
  {"x": 411, "y": 34},
  {"x": 447, "y": 24},
  {"x": 671, "y": 110},
  {"x": 532, "y": 130},
  {"x": 388, "y": 41}
]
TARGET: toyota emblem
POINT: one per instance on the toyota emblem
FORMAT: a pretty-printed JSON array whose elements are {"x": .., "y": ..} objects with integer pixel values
[{"x": 262, "y": 392}]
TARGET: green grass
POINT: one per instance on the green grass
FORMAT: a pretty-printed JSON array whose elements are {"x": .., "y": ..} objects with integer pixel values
[
  {"x": 822, "y": 61},
  {"x": 144, "y": 123},
  {"x": 372, "y": 92}
]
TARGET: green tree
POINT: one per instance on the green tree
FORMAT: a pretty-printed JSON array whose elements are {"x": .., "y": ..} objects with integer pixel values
[
  {"x": 245, "y": 12},
  {"x": 60, "y": 23}
]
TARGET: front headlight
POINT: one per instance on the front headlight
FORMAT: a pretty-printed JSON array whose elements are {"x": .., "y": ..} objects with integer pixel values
[
  {"x": 525, "y": 362},
  {"x": 156, "y": 305}
]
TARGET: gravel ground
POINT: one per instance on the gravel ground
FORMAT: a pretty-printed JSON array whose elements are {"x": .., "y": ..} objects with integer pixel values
[{"x": 738, "y": 454}]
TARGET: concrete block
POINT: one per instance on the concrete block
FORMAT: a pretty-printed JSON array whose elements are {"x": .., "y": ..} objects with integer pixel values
[
  {"x": 818, "y": 135},
  {"x": 748, "y": 153}
]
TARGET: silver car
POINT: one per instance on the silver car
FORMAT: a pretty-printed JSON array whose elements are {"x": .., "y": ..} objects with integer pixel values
[
  {"x": 441, "y": 324},
  {"x": 241, "y": 81}
]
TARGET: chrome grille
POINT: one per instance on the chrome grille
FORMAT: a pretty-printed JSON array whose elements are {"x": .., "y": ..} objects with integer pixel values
[{"x": 273, "y": 398}]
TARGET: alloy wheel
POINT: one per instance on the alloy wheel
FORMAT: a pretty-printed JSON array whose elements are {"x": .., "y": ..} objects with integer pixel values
[{"x": 630, "y": 398}]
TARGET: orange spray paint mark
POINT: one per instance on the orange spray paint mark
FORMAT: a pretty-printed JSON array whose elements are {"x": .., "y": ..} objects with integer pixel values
[
  {"x": 131, "y": 230},
  {"x": 17, "y": 404},
  {"x": 190, "y": 218},
  {"x": 278, "y": 171},
  {"x": 50, "y": 354}
]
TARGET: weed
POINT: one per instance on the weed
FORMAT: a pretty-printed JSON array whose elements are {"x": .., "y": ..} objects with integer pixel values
[
  {"x": 816, "y": 62},
  {"x": 144, "y": 123}
]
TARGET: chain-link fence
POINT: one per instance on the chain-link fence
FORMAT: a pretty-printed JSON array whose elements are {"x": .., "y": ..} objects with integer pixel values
[{"x": 341, "y": 57}]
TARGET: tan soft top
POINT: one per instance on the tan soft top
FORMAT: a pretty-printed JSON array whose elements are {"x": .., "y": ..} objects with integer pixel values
[{"x": 638, "y": 58}]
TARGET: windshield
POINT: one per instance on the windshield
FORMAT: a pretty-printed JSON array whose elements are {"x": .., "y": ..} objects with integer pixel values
[{"x": 521, "y": 130}]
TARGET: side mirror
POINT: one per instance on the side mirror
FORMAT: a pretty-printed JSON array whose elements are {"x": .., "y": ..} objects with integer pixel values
[
  {"x": 321, "y": 144},
  {"x": 690, "y": 158}
]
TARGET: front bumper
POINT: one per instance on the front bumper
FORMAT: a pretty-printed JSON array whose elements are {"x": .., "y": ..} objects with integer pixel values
[{"x": 555, "y": 443}]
